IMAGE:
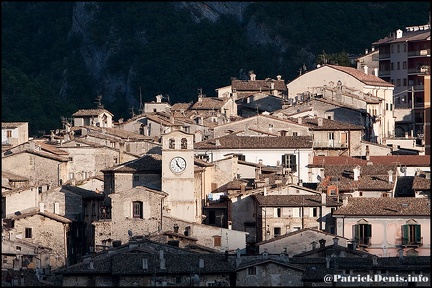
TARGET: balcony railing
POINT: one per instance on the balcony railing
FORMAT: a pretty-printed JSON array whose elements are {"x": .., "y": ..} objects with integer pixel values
[
  {"x": 410, "y": 242},
  {"x": 384, "y": 55},
  {"x": 423, "y": 52},
  {"x": 327, "y": 144},
  {"x": 383, "y": 73}
]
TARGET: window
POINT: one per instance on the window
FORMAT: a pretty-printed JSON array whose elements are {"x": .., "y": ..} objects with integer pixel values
[
  {"x": 289, "y": 161},
  {"x": 183, "y": 143},
  {"x": 362, "y": 234},
  {"x": 296, "y": 212},
  {"x": 171, "y": 144},
  {"x": 313, "y": 212},
  {"x": 212, "y": 218},
  {"x": 9, "y": 133},
  {"x": 276, "y": 231},
  {"x": 252, "y": 270},
  {"x": 241, "y": 157},
  {"x": 404, "y": 65},
  {"x": 398, "y": 65},
  {"x": 137, "y": 207},
  {"x": 387, "y": 106},
  {"x": 40, "y": 189},
  {"x": 277, "y": 212},
  {"x": 217, "y": 241},
  {"x": 331, "y": 136},
  {"x": 295, "y": 134},
  {"x": 28, "y": 232},
  {"x": 398, "y": 82},
  {"x": 405, "y": 82},
  {"x": 283, "y": 133},
  {"x": 391, "y": 106},
  {"x": 398, "y": 48},
  {"x": 392, "y": 66},
  {"x": 411, "y": 235}
]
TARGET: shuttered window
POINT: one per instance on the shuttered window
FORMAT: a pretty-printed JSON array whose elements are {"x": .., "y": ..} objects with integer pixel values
[
  {"x": 362, "y": 233},
  {"x": 411, "y": 234}
]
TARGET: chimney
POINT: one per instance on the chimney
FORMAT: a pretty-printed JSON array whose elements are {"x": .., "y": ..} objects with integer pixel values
[
  {"x": 300, "y": 120},
  {"x": 335, "y": 241},
  {"x": 252, "y": 76},
  {"x": 390, "y": 174},
  {"x": 144, "y": 262},
  {"x": 344, "y": 201},
  {"x": 161, "y": 259},
  {"x": 159, "y": 98},
  {"x": 322, "y": 243},
  {"x": 314, "y": 244},
  {"x": 323, "y": 198},
  {"x": 176, "y": 228},
  {"x": 320, "y": 122},
  {"x": 217, "y": 142},
  {"x": 366, "y": 51},
  {"x": 356, "y": 171},
  {"x": 327, "y": 262},
  {"x": 375, "y": 260},
  {"x": 376, "y": 71},
  {"x": 367, "y": 153},
  {"x": 32, "y": 145},
  {"x": 365, "y": 68},
  {"x": 41, "y": 207},
  {"x": 278, "y": 77},
  {"x": 398, "y": 33},
  {"x": 373, "y": 49}
]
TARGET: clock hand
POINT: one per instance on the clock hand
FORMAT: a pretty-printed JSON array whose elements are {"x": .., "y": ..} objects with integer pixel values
[{"x": 177, "y": 164}]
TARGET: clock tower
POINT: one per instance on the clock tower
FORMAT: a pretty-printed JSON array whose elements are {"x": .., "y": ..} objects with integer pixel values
[{"x": 178, "y": 175}]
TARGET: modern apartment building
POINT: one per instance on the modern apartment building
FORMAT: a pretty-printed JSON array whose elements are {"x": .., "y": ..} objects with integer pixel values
[{"x": 404, "y": 59}]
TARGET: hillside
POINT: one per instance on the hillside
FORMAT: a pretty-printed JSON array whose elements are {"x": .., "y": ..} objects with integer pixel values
[{"x": 57, "y": 57}]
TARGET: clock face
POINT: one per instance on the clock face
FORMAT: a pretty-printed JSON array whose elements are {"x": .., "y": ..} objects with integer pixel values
[{"x": 178, "y": 164}]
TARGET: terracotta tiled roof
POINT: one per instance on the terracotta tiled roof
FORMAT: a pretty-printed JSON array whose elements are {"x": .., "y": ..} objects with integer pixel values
[
  {"x": 11, "y": 125},
  {"x": 91, "y": 112},
  {"x": 406, "y": 36},
  {"x": 14, "y": 177},
  {"x": 295, "y": 200},
  {"x": 209, "y": 103},
  {"x": 319, "y": 232},
  {"x": 328, "y": 124},
  {"x": 256, "y": 142},
  {"x": 149, "y": 162},
  {"x": 385, "y": 206},
  {"x": 257, "y": 85},
  {"x": 180, "y": 106},
  {"x": 361, "y": 76},
  {"x": 395, "y": 160},
  {"x": 421, "y": 183}
]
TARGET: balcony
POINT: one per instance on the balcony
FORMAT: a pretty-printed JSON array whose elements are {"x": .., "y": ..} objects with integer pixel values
[
  {"x": 384, "y": 73},
  {"x": 384, "y": 56},
  {"x": 328, "y": 145},
  {"x": 410, "y": 242},
  {"x": 424, "y": 52}
]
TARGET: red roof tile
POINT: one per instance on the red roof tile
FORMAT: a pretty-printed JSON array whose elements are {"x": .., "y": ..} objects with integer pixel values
[{"x": 361, "y": 76}]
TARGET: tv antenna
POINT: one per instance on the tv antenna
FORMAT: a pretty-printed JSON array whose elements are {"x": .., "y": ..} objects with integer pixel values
[
  {"x": 99, "y": 102},
  {"x": 141, "y": 108}
]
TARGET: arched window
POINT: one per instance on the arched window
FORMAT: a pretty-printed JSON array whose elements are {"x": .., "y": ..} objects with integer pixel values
[
  {"x": 183, "y": 143},
  {"x": 171, "y": 143},
  {"x": 137, "y": 209}
]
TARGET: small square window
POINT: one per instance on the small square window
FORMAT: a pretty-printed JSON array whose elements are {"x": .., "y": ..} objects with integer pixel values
[
  {"x": 217, "y": 241},
  {"x": 28, "y": 232},
  {"x": 252, "y": 270}
]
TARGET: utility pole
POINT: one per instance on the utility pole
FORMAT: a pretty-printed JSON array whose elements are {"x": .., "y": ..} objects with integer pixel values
[{"x": 412, "y": 111}]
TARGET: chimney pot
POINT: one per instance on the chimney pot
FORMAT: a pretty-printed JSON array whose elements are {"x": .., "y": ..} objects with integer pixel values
[{"x": 322, "y": 243}]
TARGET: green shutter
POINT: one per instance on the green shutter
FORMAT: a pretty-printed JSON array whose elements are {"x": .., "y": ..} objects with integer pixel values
[
  {"x": 367, "y": 232},
  {"x": 405, "y": 233},
  {"x": 293, "y": 162},
  {"x": 356, "y": 233},
  {"x": 417, "y": 233}
]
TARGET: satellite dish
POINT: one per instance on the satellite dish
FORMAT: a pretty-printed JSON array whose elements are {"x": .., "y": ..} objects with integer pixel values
[
  {"x": 196, "y": 278},
  {"x": 130, "y": 233},
  {"x": 403, "y": 169},
  {"x": 319, "y": 178}
]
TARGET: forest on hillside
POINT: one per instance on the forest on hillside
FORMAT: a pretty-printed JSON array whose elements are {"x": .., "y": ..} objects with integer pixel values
[{"x": 57, "y": 58}]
